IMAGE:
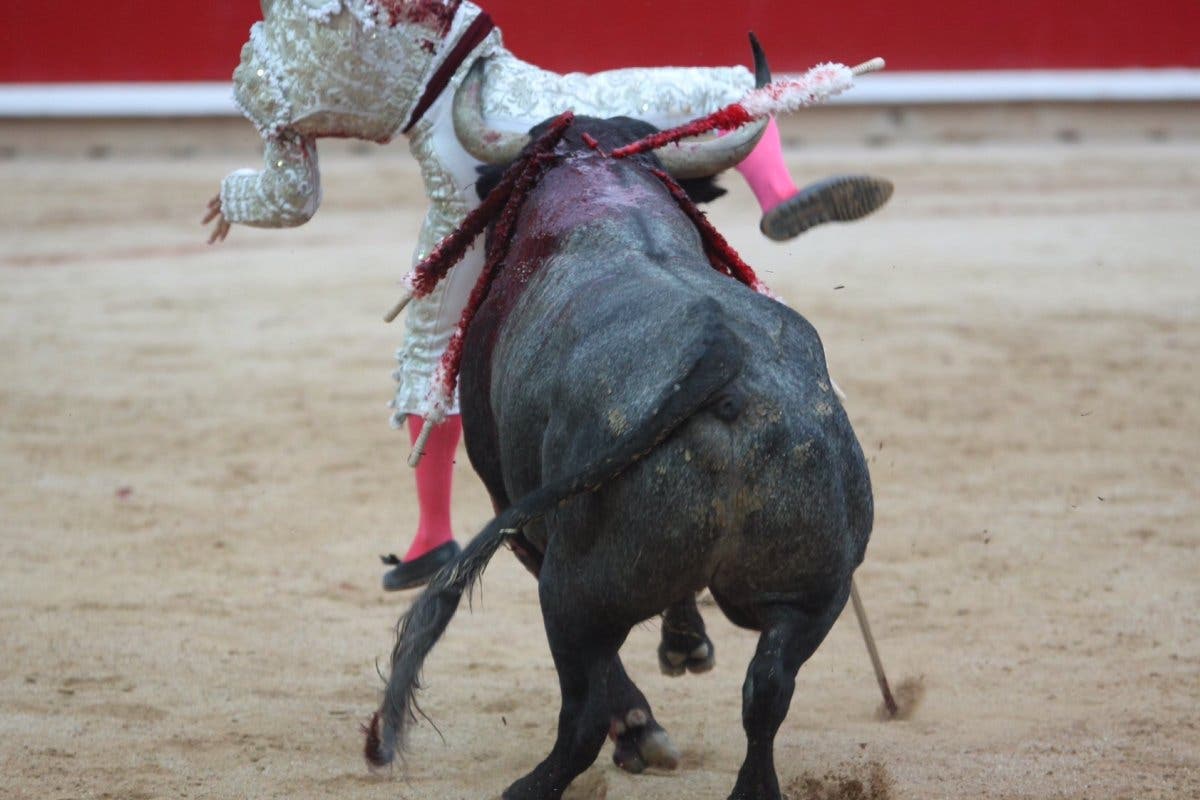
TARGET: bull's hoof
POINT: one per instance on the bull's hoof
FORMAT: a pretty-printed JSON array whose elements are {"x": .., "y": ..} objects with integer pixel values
[
  {"x": 678, "y": 654},
  {"x": 641, "y": 742},
  {"x": 838, "y": 199}
]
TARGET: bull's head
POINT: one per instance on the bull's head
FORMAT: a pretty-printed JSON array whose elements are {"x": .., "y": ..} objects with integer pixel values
[{"x": 696, "y": 159}]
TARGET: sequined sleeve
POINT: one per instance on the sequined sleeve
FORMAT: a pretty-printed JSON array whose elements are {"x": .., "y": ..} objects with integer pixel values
[
  {"x": 285, "y": 193},
  {"x": 518, "y": 94}
]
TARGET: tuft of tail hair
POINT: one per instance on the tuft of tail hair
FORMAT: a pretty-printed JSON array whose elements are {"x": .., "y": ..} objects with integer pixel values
[
  {"x": 416, "y": 634},
  {"x": 713, "y": 359}
]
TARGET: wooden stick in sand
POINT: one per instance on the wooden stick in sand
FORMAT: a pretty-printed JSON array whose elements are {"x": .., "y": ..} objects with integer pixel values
[{"x": 889, "y": 702}]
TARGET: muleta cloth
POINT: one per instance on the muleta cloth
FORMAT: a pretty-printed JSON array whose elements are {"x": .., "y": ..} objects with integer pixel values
[{"x": 370, "y": 69}]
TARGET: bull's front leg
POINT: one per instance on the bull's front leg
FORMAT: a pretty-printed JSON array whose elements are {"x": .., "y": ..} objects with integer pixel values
[{"x": 685, "y": 645}]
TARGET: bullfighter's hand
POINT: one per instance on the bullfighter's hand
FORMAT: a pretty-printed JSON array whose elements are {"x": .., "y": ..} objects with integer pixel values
[{"x": 223, "y": 225}]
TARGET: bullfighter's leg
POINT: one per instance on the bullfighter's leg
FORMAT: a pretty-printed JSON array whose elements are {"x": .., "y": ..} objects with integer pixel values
[
  {"x": 790, "y": 635},
  {"x": 685, "y": 645},
  {"x": 666, "y": 97},
  {"x": 789, "y": 211},
  {"x": 639, "y": 741},
  {"x": 433, "y": 547}
]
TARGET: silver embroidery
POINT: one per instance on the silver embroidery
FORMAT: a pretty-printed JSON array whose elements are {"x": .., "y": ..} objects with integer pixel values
[
  {"x": 516, "y": 96},
  {"x": 284, "y": 194},
  {"x": 317, "y": 68},
  {"x": 429, "y": 321},
  {"x": 522, "y": 94}
]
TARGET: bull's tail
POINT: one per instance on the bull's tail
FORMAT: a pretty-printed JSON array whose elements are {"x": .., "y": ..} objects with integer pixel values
[
  {"x": 416, "y": 634},
  {"x": 713, "y": 359}
]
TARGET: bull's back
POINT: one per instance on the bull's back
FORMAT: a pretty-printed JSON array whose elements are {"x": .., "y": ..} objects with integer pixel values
[
  {"x": 769, "y": 471},
  {"x": 767, "y": 481}
]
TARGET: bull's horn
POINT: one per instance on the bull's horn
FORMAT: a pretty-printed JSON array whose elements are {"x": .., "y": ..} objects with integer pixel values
[
  {"x": 487, "y": 145},
  {"x": 762, "y": 71},
  {"x": 701, "y": 159}
]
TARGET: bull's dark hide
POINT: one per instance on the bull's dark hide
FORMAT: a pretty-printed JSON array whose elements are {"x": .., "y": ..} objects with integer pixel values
[{"x": 653, "y": 428}]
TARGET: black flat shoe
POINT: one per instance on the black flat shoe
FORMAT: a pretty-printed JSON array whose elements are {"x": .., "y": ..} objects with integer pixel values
[
  {"x": 411, "y": 574},
  {"x": 838, "y": 199}
]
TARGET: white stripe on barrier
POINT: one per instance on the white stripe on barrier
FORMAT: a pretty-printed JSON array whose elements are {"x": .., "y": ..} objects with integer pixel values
[
  {"x": 39, "y": 100},
  {"x": 1017, "y": 86},
  {"x": 898, "y": 88}
]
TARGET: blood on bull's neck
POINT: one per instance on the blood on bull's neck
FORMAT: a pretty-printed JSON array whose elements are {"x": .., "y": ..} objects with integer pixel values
[{"x": 587, "y": 189}]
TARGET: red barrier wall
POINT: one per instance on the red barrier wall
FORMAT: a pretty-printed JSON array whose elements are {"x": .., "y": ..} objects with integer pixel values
[{"x": 172, "y": 40}]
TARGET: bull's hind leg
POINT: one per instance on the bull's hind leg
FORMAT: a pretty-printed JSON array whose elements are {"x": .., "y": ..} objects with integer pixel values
[
  {"x": 638, "y": 740},
  {"x": 585, "y": 654},
  {"x": 583, "y": 720},
  {"x": 790, "y": 635},
  {"x": 685, "y": 645}
]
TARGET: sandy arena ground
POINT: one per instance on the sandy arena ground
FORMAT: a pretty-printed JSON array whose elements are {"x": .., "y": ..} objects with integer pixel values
[{"x": 198, "y": 478}]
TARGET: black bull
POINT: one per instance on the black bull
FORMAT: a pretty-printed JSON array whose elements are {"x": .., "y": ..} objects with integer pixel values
[{"x": 647, "y": 427}]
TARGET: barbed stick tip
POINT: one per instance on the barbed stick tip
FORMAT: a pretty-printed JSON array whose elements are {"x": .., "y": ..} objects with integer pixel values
[
  {"x": 874, "y": 65},
  {"x": 396, "y": 309}
]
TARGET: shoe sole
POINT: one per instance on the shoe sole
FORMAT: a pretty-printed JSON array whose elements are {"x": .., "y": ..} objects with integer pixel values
[
  {"x": 840, "y": 199},
  {"x": 422, "y": 578},
  {"x": 412, "y": 583}
]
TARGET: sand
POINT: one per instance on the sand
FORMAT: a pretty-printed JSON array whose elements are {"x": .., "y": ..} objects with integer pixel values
[{"x": 198, "y": 478}]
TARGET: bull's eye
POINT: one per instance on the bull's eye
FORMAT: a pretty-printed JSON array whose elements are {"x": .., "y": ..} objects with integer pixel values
[{"x": 260, "y": 73}]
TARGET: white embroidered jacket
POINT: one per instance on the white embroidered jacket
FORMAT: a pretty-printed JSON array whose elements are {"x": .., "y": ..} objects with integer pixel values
[{"x": 357, "y": 68}]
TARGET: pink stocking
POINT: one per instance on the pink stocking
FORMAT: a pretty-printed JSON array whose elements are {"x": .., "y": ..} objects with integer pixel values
[
  {"x": 766, "y": 172},
  {"x": 435, "y": 475}
]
